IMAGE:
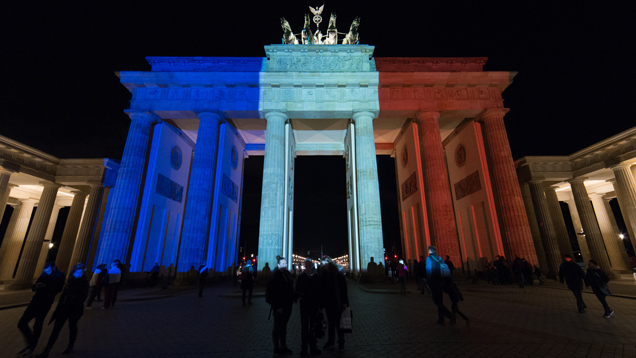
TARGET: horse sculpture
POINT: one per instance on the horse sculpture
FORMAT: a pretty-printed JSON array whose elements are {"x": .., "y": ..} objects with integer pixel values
[
  {"x": 352, "y": 37},
  {"x": 288, "y": 35}
]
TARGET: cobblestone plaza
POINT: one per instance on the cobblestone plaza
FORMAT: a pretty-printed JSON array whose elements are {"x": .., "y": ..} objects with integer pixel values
[{"x": 505, "y": 322}]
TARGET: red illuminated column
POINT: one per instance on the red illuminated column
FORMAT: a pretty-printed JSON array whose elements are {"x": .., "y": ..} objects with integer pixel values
[
  {"x": 443, "y": 229},
  {"x": 513, "y": 213}
]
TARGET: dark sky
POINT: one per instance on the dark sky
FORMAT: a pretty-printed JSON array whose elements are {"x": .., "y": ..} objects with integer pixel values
[{"x": 59, "y": 94}]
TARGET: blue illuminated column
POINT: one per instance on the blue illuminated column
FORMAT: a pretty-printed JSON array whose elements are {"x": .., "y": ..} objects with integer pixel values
[
  {"x": 117, "y": 231},
  {"x": 369, "y": 215},
  {"x": 196, "y": 221},
  {"x": 270, "y": 233}
]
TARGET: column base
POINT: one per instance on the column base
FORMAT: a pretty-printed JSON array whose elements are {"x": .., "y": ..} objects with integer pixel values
[{"x": 614, "y": 276}]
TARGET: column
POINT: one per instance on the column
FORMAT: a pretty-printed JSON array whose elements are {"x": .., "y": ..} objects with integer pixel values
[
  {"x": 610, "y": 238},
  {"x": 621, "y": 244},
  {"x": 534, "y": 226},
  {"x": 438, "y": 194},
  {"x": 14, "y": 237},
  {"x": 196, "y": 222},
  {"x": 271, "y": 227},
  {"x": 512, "y": 212},
  {"x": 369, "y": 215},
  {"x": 117, "y": 231},
  {"x": 44, "y": 252},
  {"x": 593, "y": 234},
  {"x": 578, "y": 229},
  {"x": 563, "y": 239},
  {"x": 621, "y": 204},
  {"x": 546, "y": 227},
  {"x": 69, "y": 236},
  {"x": 33, "y": 244},
  {"x": 5, "y": 189},
  {"x": 626, "y": 193},
  {"x": 87, "y": 228}
]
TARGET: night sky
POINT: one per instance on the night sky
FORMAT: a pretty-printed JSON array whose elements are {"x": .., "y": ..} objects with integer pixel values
[{"x": 60, "y": 93}]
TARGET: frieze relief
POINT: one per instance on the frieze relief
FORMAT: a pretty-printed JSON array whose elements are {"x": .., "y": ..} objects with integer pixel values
[
  {"x": 409, "y": 186},
  {"x": 363, "y": 94},
  {"x": 439, "y": 93},
  {"x": 196, "y": 94},
  {"x": 168, "y": 188},
  {"x": 469, "y": 185},
  {"x": 318, "y": 64}
]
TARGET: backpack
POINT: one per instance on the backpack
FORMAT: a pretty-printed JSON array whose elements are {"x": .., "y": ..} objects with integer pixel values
[{"x": 445, "y": 272}]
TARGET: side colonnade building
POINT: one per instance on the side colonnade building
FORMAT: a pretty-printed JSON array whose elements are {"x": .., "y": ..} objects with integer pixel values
[
  {"x": 587, "y": 181},
  {"x": 36, "y": 186},
  {"x": 194, "y": 120}
]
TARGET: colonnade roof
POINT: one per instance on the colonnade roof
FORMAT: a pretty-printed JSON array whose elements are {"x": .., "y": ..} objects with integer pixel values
[
  {"x": 592, "y": 163},
  {"x": 31, "y": 168}
]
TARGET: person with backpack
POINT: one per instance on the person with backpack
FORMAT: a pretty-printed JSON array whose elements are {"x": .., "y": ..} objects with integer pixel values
[
  {"x": 247, "y": 282},
  {"x": 597, "y": 278},
  {"x": 573, "y": 275},
  {"x": 438, "y": 274},
  {"x": 280, "y": 295},
  {"x": 335, "y": 299},
  {"x": 307, "y": 291}
]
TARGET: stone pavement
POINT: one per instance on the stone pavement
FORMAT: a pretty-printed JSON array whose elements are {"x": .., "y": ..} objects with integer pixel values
[{"x": 534, "y": 322}]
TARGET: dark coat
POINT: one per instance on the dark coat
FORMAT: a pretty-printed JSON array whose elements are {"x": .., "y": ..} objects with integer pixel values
[
  {"x": 51, "y": 285},
  {"x": 71, "y": 303},
  {"x": 453, "y": 292},
  {"x": 573, "y": 275},
  {"x": 247, "y": 280},
  {"x": 333, "y": 287},
  {"x": 597, "y": 278},
  {"x": 280, "y": 290},
  {"x": 308, "y": 288}
]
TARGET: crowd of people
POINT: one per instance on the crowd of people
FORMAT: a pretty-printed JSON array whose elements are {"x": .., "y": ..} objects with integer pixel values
[{"x": 321, "y": 294}]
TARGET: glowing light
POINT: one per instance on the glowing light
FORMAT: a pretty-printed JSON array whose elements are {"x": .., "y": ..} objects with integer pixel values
[
  {"x": 621, "y": 236},
  {"x": 50, "y": 245}
]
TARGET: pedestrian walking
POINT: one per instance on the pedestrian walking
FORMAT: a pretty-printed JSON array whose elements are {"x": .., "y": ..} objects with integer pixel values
[
  {"x": 110, "y": 283},
  {"x": 455, "y": 296},
  {"x": 307, "y": 291},
  {"x": 247, "y": 282},
  {"x": 203, "y": 276},
  {"x": 517, "y": 267},
  {"x": 95, "y": 284},
  {"x": 537, "y": 272},
  {"x": 574, "y": 276},
  {"x": 450, "y": 265},
  {"x": 437, "y": 273},
  {"x": 597, "y": 278},
  {"x": 421, "y": 273},
  {"x": 122, "y": 272},
  {"x": 154, "y": 274},
  {"x": 334, "y": 299},
  {"x": 416, "y": 276},
  {"x": 49, "y": 284},
  {"x": 402, "y": 270},
  {"x": 280, "y": 295},
  {"x": 69, "y": 308}
]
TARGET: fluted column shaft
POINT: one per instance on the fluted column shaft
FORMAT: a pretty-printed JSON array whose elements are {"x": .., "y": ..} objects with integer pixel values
[
  {"x": 621, "y": 245},
  {"x": 196, "y": 222},
  {"x": 44, "y": 251},
  {"x": 515, "y": 221},
  {"x": 627, "y": 196},
  {"x": 438, "y": 194},
  {"x": 5, "y": 189},
  {"x": 610, "y": 238},
  {"x": 546, "y": 227},
  {"x": 14, "y": 237},
  {"x": 563, "y": 239},
  {"x": 271, "y": 228},
  {"x": 117, "y": 232},
  {"x": 87, "y": 228},
  {"x": 534, "y": 226},
  {"x": 578, "y": 228},
  {"x": 369, "y": 214},
  {"x": 67, "y": 243},
  {"x": 593, "y": 234},
  {"x": 620, "y": 198},
  {"x": 35, "y": 238}
]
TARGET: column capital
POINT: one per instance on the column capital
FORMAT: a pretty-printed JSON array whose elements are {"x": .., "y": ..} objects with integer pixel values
[
  {"x": 611, "y": 181},
  {"x": 211, "y": 115},
  {"x": 595, "y": 195},
  {"x": 28, "y": 200},
  {"x": 276, "y": 115},
  {"x": 577, "y": 180},
  {"x": 362, "y": 114},
  {"x": 536, "y": 180},
  {"x": 426, "y": 114},
  {"x": 94, "y": 184},
  {"x": 491, "y": 113},
  {"x": 626, "y": 165},
  {"x": 147, "y": 115},
  {"x": 48, "y": 184},
  {"x": 78, "y": 192},
  {"x": 608, "y": 198},
  {"x": 12, "y": 185}
]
